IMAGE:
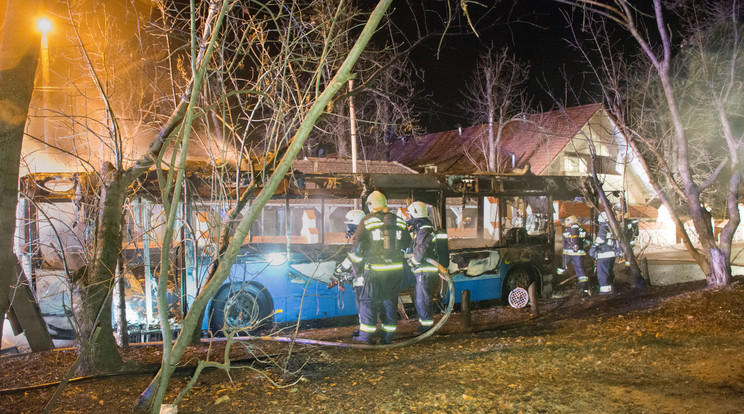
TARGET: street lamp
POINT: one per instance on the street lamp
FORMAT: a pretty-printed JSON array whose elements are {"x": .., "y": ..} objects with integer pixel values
[{"x": 44, "y": 26}]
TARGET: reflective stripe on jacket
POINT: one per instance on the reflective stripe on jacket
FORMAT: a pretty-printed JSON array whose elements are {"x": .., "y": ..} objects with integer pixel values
[
  {"x": 605, "y": 242},
  {"x": 573, "y": 241},
  {"x": 380, "y": 241},
  {"x": 423, "y": 247}
]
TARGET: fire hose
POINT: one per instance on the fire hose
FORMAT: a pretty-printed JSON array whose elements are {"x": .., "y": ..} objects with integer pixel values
[{"x": 443, "y": 274}]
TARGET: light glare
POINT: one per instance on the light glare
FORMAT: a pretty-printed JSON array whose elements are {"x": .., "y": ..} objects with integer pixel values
[
  {"x": 44, "y": 25},
  {"x": 275, "y": 259}
]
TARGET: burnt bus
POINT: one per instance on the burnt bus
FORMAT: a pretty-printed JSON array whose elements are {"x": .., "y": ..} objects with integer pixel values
[{"x": 495, "y": 234}]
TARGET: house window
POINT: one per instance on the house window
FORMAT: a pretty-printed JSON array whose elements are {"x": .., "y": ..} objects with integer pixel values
[
  {"x": 573, "y": 163},
  {"x": 606, "y": 165},
  {"x": 579, "y": 164}
]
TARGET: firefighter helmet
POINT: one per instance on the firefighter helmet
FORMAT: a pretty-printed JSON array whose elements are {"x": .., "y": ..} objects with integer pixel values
[
  {"x": 418, "y": 209},
  {"x": 354, "y": 217},
  {"x": 376, "y": 201},
  {"x": 570, "y": 221}
]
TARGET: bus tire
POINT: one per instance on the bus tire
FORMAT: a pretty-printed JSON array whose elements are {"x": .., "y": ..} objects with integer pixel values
[
  {"x": 517, "y": 277},
  {"x": 244, "y": 307}
]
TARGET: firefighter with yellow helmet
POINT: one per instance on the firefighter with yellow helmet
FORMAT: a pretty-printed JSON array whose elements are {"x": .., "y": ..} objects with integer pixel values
[{"x": 379, "y": 243}]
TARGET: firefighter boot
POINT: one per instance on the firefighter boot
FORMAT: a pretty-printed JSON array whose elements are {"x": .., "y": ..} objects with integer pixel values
[
  {"x": 363, "y": 337},
  {"x": 583, "y": 286},
  {"x": 422, "y": 330}
]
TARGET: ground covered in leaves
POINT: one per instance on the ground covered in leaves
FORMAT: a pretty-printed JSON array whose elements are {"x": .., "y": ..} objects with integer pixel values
[{"x": 673, "y": 349}]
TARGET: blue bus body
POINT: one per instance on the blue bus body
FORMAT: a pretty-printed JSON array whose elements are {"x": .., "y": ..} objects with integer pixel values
[
  {"x": 484, "y": 244},
  {"x": 298, "y": 291}
]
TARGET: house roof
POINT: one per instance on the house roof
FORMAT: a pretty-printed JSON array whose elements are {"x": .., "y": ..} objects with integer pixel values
[
  {"x": 314, "y": 165},
  {"x": 535, "y": 143}
]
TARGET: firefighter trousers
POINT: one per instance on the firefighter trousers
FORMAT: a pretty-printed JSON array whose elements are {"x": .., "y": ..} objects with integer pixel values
[
  {"x": 605, "y": 273},
  {"x": 378, "y": 298},
  {"x": 424, "y": 297}
]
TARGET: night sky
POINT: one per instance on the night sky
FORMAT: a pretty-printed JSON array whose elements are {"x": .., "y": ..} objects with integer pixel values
[{"x": 534, "y": 30}]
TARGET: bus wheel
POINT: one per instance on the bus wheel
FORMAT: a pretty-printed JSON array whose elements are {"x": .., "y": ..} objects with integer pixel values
[
  {"x": 519, "y": 277},
  {"x": 247, "y": 308}
]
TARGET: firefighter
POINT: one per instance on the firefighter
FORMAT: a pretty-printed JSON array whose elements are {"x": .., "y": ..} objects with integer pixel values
[
  {"x": 379, "y": 242},
  {"x": 348, "y": 270},
  {"x": 423, "y": 246},
  {"x": 573, "y": 251},
  {"x": 603, "y": 250}
]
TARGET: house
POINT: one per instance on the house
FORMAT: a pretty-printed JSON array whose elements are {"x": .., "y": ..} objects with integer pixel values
[
  {"x": 558, "y": 142},
  {"x": 550, "y": 143}
]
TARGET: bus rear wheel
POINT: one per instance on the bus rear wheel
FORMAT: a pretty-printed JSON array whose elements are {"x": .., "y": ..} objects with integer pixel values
[
  {"x": 516, "y": 278},
  {"x": 244, "y": 308}
]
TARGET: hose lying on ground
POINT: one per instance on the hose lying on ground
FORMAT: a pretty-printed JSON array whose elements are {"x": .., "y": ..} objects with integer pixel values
[{"x": 450, "y": 305}]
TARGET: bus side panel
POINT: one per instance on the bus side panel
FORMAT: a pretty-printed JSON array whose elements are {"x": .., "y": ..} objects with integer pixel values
[
  {"x": 292, "y": 297},
  {"x": 320, "y": 302},
  {"x": 483, "y": 287}
]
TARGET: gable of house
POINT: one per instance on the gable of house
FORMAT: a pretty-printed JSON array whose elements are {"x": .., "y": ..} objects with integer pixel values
[
  {"x": 549, "y": 143},
  {"x": 536, "y": 141}
]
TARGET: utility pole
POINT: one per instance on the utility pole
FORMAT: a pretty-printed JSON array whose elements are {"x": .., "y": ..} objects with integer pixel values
[{"x": 353, "y": 128}]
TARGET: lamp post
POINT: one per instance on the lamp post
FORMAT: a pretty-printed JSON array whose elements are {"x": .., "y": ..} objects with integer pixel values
[{"x": 44, "y": 26}]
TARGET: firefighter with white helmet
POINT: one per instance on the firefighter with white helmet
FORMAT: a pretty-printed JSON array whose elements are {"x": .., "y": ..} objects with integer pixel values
[
  {"x": 379, "y": 243},
  {"x": 348, "y": 270},
  {"x": 573, "y": 251},
  {"x": 423, "y": 247},
  {"x": 352, "y": 220},
  {"x": 603, "y": 250}
]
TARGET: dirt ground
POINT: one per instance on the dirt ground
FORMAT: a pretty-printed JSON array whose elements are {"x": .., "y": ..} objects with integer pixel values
[{"x": 673, "y": 349}]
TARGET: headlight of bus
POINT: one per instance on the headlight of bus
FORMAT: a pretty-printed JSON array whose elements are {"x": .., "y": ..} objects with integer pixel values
[{"x": 276, "y": 259}]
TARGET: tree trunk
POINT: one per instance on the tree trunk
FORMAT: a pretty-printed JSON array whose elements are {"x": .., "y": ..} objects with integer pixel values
[
  {"x": 719, "y": 264},
  {"x": 95, "y": 308},
  {"x": 19, "y": 54},
  {"x": 720, "y": 268},
  {"x": 152, "y": 397},
  {"x": 636, "y": 275}
]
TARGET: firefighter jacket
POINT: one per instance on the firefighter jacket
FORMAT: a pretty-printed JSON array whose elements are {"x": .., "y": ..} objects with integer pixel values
[
  {"x": 347, "y": 266},
  {"x": 423, "y": 246},
  {"x": 380, "y": 241},
  {"x": 604, "y": 245},
  {"x": 573, "y": 241}
]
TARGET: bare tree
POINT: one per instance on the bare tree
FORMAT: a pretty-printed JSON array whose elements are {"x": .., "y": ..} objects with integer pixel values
[
  {"x": 687, "y": 90},
  {"x": 257, "y": 76},
  {"x": 496, "y": 96},
  {"x": 153, "y": 396},
  {"x": 596, "y": 194},
  {"x": 19, "y": 52}
]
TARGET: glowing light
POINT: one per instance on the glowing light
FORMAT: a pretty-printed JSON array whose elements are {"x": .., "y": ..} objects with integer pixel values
[
  {"x": 275, "y": 259},
  {"x": 43, "y": 25}
]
